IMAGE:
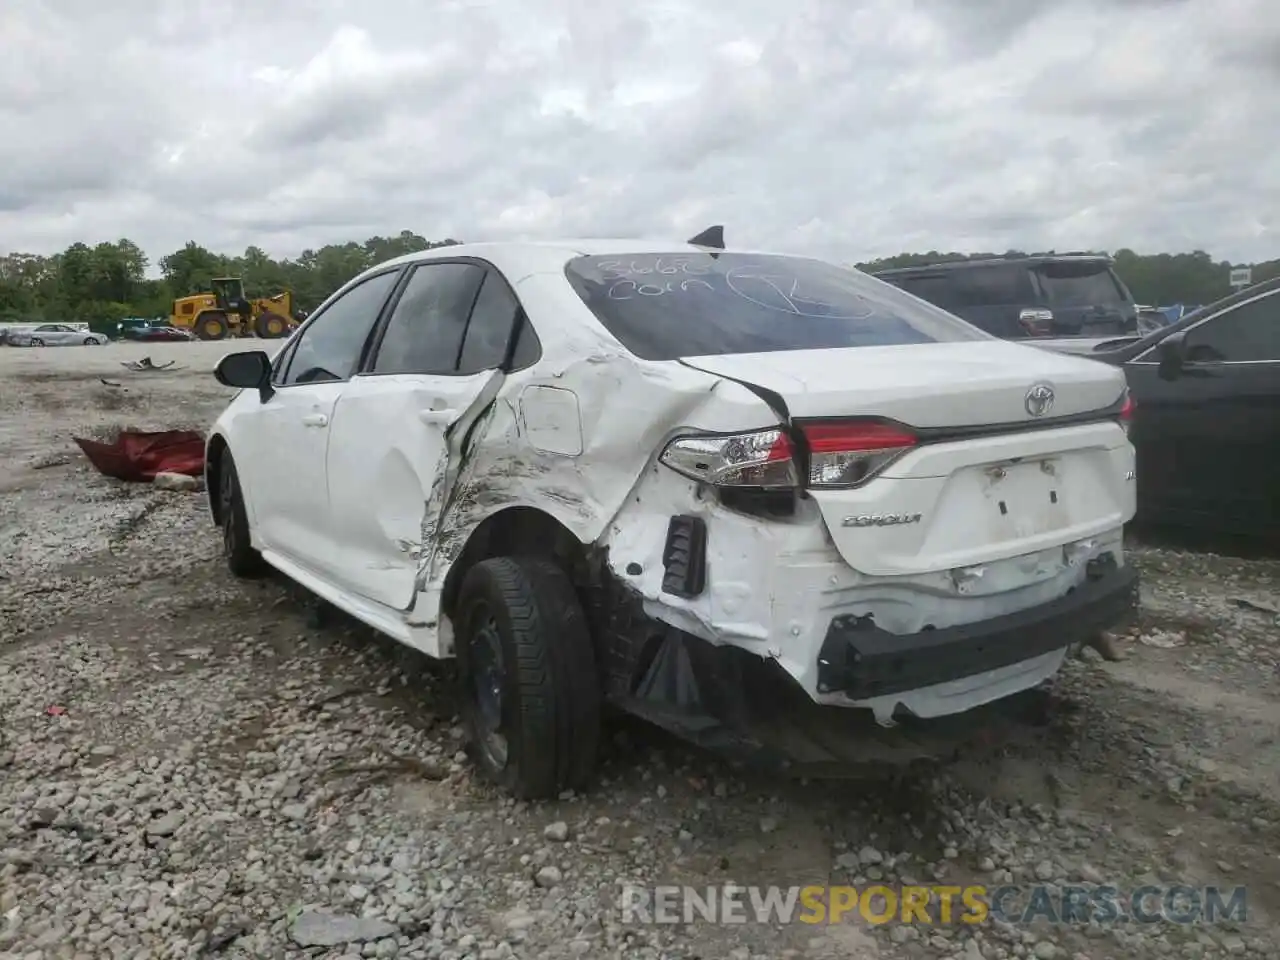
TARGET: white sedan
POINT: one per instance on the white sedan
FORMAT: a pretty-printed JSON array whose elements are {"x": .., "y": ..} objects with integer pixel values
[
  {"x": 722, "y": 490},
  {"x": 56, "y": 335}
]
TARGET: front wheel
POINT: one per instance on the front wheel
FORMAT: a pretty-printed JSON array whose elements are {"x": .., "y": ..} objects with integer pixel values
[
  {"x": 530, "y": 699},
  {"x": 90, "y": 342},
  {"x": 37, "y": 342},
  {"x": 242, "y": 559}
]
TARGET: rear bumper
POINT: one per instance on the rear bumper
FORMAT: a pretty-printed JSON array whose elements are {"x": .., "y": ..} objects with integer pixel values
[{"x": 863, "y": 662}]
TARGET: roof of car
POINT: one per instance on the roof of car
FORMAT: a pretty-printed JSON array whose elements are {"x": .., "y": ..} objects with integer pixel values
[
  {"x": 995, "y": 261},
  {"x": 566, "y": 249}
]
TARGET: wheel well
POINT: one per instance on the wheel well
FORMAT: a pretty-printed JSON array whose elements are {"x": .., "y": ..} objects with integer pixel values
[
  {"x": 213, "y": 473},
  {"x": 518, "y": 531}
]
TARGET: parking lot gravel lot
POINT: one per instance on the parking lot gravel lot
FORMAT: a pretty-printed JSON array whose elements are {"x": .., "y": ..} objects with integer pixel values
[{"x": 195, "y": 767}]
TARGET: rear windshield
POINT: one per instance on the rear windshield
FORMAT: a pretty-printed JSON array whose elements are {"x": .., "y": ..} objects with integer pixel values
[
  {"x": 1080, "y": 284},
  {"x": 667, "y": 306}
]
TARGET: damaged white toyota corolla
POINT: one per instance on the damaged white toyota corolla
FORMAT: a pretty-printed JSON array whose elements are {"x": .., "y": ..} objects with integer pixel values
[{"x": 771, "y": 504}]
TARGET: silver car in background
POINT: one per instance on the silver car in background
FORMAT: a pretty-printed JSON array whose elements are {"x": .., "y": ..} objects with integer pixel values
[{"x": 55, "y": 335}]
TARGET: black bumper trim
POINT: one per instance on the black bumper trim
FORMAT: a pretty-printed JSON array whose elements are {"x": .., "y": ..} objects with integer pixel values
[{"x": 861, "y": 660}]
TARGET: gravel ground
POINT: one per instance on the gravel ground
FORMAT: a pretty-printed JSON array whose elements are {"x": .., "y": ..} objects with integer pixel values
[{"x": 191, "y": 766}]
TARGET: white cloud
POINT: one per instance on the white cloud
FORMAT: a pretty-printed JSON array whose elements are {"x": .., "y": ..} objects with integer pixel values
[{"x": 848, "y": 128}]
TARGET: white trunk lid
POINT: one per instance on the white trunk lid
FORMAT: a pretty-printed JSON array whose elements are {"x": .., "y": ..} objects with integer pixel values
[
  {"x": 959, "y": 502},
  {"x": 976, "y": 382}
]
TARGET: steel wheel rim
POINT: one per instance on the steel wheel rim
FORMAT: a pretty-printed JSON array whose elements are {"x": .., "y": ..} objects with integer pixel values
[{"x": 486, "y": 688}]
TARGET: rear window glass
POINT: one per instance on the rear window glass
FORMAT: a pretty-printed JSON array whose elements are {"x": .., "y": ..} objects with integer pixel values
[
  {"x": 1079, "y": 285},
  {"x": 667, "y": 306}
]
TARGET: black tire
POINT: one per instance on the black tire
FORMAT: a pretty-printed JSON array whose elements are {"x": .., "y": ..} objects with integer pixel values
[
  {"x": 213, "y": 325},
  {"x": 90, "y": 342},
  {"x": 550, "y": 704},
  {"x": 37, "y": 342},
  {"x": 271, "y": 326},
  {"x": 242, "y": 559}
]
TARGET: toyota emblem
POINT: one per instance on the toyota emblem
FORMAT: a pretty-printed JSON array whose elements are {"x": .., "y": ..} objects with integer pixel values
[{"x": 1039, "y": 400}]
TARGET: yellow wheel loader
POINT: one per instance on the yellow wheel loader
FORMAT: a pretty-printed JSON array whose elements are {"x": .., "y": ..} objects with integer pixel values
[{"x": 226, "y": 312}]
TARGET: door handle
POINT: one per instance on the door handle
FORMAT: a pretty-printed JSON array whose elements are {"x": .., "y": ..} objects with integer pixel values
[
  {"x": 440, "y": 418},
  {"x": 315, "y": 420}
]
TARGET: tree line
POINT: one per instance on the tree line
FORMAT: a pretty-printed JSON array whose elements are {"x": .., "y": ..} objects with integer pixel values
[{"x": 108, "y": 282}]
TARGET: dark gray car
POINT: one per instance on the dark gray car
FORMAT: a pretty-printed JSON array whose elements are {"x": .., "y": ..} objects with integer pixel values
[{"x": 1069, "y": 295}]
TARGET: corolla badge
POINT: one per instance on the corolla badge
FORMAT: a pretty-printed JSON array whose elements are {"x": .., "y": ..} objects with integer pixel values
[
  {"x": 880, "y": 519},
  {"x": 1039, "y": 400}
]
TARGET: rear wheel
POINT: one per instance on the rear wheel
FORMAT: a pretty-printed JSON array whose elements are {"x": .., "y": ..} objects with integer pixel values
[
  {"x": 531, "y": 699},
  {"x": 270, "y": 326},
  {"x": 242, "y": 559},
  {"x": 212, "y": 325}
]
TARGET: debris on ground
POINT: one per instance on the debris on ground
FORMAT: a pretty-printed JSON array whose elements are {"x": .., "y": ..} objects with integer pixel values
[
  {"x": 145, "y": 364},
  {"x": 179, "y": 482},
  {"x": 1164, "y": 639},
  {"x": 138, "y": 456}
]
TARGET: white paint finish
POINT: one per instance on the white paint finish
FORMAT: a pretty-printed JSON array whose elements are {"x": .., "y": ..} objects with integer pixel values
[
  {"x": 957, "y": 696},
  {"x": 955, "y": 490},
  {"x": 774, "y": 589},
  {"x": 577, "y": 436},
  {"x": 385, "y": 459},
  {"x": 924, "y": 385},
  {"x": 280, "y": 455},
  {"x": 552, "y": 421}
]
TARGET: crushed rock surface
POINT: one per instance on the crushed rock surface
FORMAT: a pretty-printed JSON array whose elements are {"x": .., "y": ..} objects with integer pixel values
[{"x": 191, "y": 766}]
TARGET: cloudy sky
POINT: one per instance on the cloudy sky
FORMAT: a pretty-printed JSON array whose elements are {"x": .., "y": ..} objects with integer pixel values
[{"x": 845, "y": 128}]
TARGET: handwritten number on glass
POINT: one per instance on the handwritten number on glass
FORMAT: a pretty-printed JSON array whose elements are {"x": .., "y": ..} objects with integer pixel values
[
  {"x": 629, "y": 289},
  {"x": 667, "y": 266},
  {"x": 629, "y": 279}
]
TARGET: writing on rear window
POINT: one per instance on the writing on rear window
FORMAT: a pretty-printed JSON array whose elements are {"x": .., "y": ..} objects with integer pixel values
[{"x": 666, "y": 306}]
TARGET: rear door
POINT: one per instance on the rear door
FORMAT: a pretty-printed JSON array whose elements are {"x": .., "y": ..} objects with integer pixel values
[
  {"x": 436, "y": 368},
  {"x": 1207, "y": 439}
]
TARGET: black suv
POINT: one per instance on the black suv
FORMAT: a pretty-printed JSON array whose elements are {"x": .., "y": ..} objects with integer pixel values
[{"x": 1067, "y": 295}]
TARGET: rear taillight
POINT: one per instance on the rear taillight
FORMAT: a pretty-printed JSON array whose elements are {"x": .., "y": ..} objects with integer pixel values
[
  {"x": 1126, "y": 412},
  {"x": 762, "y": 458},
  {"x": 847, "y": 453},
  {"x": 841, "y": 454},
  {"x": 1036, "y": 323}
]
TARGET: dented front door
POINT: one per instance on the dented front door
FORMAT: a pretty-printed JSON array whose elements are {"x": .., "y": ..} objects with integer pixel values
[{"x": 388, "y": 467}]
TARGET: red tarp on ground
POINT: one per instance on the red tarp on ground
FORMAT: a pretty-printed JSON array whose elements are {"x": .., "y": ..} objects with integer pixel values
[{"x": 137, "y": 456}]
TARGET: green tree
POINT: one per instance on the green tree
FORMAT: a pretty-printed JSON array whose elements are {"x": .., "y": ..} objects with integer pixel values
[{"x": 108, "y": 280}]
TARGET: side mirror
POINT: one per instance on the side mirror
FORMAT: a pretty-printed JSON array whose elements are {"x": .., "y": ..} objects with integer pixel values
[
  {"x": 247, "y": 370},
  {"x": 1172, "y": 353}
]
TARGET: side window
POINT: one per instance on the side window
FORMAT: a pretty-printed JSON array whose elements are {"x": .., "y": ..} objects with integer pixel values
[
  {"x": 492, "y": 320},
  {"x": 937, "y": 289},
  {"x": 1002, "y": 286},
  {"x": 280, "y": 366},
  {"x": 424, "y": 334},
  {"x": 1249, "y": 332},
  {"x": 329, "y": 348}
]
